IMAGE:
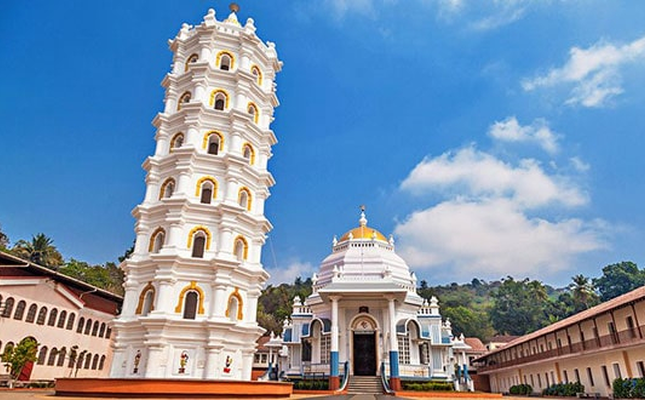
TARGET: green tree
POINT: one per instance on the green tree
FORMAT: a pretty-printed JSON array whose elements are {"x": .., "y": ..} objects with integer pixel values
[
  {"x": 618, "y": 279},
  {"x": 4, "y": 240},
  {"x": 108, "y": 277},
  {"x": 40, "y": 250},
  {"x": 469, "y": 321},
  {"x": 583, "y": 293},
  {"x": 16, "y": 357},
  {"x": 519, "y": 307}
]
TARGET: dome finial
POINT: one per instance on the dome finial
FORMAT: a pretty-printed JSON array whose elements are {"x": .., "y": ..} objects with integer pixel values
[
  {"x": 363, "y": 220},
  {"x": 234, "y": 7}
]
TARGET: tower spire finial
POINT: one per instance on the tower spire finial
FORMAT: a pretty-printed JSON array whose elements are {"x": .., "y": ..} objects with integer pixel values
[
  {"x": 234, "y": 7},
  {"x": 363, "y": 220}
]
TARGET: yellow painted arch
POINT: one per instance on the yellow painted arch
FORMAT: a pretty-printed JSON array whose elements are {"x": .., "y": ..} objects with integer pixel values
[
  {"x": 218, "y": 58},
  {"x": 157, "y": 231},
  {"x": 240, "y": 304},
  {"x": 182, "y": 294},
  {"x": 201, "y": 181},
  {"x": 208, "y": 134},
  {"x": 142, "y": 296},
  {"x": 226, "y": 97},
  {"x": 196, "y": 229}
]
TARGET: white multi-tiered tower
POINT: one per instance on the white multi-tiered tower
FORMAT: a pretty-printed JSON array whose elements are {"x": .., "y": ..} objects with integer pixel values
[{"x": 195, "y": 276}]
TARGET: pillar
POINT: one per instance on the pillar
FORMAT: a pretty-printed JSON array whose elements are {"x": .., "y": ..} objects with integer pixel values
[
  {"x": 395, "y": 380},
  {"x": 334, "y": 378}
]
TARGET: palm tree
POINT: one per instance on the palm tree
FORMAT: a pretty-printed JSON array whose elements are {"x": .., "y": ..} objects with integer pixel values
[
  {"x": 583, "y": 292},
  {"x": 40, "y": 250}
]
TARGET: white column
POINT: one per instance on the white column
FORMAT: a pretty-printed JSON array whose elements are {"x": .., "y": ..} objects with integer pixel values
[{"x": 394, "y": 344}]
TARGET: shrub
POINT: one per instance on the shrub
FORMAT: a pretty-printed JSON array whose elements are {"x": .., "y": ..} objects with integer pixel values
[
  {"x": 629, "y": 388},
  {"x": 564, "y": 389},
  {"x": 523, "y": 389},
  {"x": 311, "y": 384},
  {"x": 427, "y": 386}
]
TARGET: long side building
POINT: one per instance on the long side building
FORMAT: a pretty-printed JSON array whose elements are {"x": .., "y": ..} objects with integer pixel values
[{"x": 593, "y": 347}]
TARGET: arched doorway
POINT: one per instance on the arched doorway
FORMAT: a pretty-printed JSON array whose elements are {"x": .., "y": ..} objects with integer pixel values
[{"x": 364, "y": 336}]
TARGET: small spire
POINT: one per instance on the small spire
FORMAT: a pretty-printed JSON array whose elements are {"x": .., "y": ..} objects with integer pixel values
[
  {"x": 232, "y": 17},
  {"x": 234, "y": 7},
  {"x": 362, "y": 221}
]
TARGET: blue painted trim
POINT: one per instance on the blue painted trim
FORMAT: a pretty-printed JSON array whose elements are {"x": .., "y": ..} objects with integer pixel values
[
  {"x": 333, "y": 360},
  {"x": 394, "y": 364}
]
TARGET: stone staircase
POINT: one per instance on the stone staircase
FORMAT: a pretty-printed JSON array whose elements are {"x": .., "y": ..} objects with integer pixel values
[{"x": 365, "y": 385}]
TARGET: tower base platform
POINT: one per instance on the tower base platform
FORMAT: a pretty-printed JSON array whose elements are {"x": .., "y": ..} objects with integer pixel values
[{"x": 170, "y": 388}]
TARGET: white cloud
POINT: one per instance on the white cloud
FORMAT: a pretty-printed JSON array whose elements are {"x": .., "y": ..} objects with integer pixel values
[
  {"x": 579, "y": 165},
  {"x": 539, "y": 132},
  {"x": 505, "y": 13},
  {"x": 492, "y": 238},
  {"x": 340, "y": 8},
  {"x": 481, "y": 175},
  {"x": 290, "y": 272},
  {"x": 594, "y": 72}
]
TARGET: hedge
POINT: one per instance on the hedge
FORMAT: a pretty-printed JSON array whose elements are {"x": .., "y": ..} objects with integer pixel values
[
  {"x": 564, "y": 389},
  {"x": 523, "y": 389},
  {"x": 427, "y": 386},
  {"x": 311, "y": 384},
  {"x": 629, "y": 388}
]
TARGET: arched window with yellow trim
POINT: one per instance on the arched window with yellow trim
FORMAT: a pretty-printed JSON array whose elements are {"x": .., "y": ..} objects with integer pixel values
[
  {"x": 191, "y": 301},
  {"x": 248, "y": 153},
  {"x": 234, "y": 306},
  {"x": 177, "y": 141},
  {"x": 219, "y": 99},
  {"x": 185, "y": 98},
  {"x": 255, "y": 71},
  {"x": 225, "y": 60},
  {"x": 214, "y": 142},
  {"x": 206, "y": 189},
  {"x": 167, "y": 189},
  {"x": 252, "y": 109},
  {"x": 199, "y": 241},
  {"x": 146, "y": 300},
  {"x": 244, "y": 198},
  {"x": 241, "y": 248},
  {"x": 157, "y": 240},
  {"x": 191, "y": 60}
]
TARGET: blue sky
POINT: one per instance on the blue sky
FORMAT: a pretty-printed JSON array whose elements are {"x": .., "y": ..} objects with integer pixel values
[{"x": 491, "y": 138}]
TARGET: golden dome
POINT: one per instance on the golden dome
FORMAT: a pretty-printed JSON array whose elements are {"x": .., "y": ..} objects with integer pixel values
[{"x": 364, "y": 232}]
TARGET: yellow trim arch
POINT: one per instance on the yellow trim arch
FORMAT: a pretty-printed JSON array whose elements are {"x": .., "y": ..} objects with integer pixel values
[
  {"x": 201, "y": 181},
  {"x": 226, "y": 97},
  {"x": 182, "y": 294},
  {"x": 245, "y": 245},
  {"x": 173, "y": 141},
  {"x": 240, "y": 303},
  {"x": 256, "y": 111},
  {"x": 181, "y": 99},
  {"x": 208, "y": 134},
  {"x": 142, "y": 296},
  {"x": 164, "y": 186},
  {"x": 218, "y": 59},
  {"x": 196, "y": 229},
  {"x": 153, "y": 237},
  {"x": 246, "y": 190},
  {"x": 191, "y": 59},
  {"x": 248, "y": 145},
  {"x": 258, "y": 74}
]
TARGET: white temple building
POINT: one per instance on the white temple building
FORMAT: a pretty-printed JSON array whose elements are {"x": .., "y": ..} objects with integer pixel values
[
  {"x": 195, "y": 276},
  {"x": 365, "y": 310}
]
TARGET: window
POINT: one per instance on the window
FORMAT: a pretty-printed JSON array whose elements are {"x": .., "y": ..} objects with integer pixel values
[
  {"x": 532, "y": 383},
  {"x": 88, "y": 327},
  {"x": 248, "y": 153},
  {"x": 157, "y": 240},
  {"x": 252, "y": 109},
  {"x": 8, "y": 308},
  {"x": 546, "y": 377},
  {"x": 95, "y": 361},
  {"x": 191, "y": 60},
  {"x": 177, "y": 141},
  {"x": 167, "y": 189},
  {"x": 81, "y": 324},
  {"x": 325, "y": 346},
  {"x": 53, "y": 315},
  {"x": 219, "y": 99},
  {"x": 42, "y": 315},
  {"x": 52, "y": 357},
  {"x": 79, "y": 362},
  {"x": 42, "y": 356},
  {"x": 306, "y": 351},
  {"x": 108, "y": 332},
  {"x": 630, "y": 327},
  {"x": 95, "y": 328},
  {"x": 70, "y": 321},
  {"x": 617, "y": 373},
  {"x": 605, "y": 375},
  {"x": 233, "y": 308},
  {"x": 102, "y": 330},
  {"x": 185, "y": 98},
  {"x": 146, "y": 302},
  {"x": 255, "y": 71},
  {"x": 199, "y": 243},
  {"x": 31, "y": 314},
  {"x": 566, "y": 376},
  {"x": 61, "y": 357},
  {"x": 244, "y": 199},
  {"x": 404, "y": 350},
  {"x": 641, "y": 368},
  {"x": 88, "y": 361},
  {"x": 612, "y": 332},
  {"x": 20, "y": 310},
  {"x": 207, "y": 193},
  {"x": 61, "y": 319},
  {"x": 241, "y": 248},
  {"x": 225, "y": 60},
  {"x": 102, "y": 363},
  {"x": 190, "y": 307},
  {"x": 577, "y": 374},
  {"x": 590, "y": 377},
  {"x": 213, "y": 144}
]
